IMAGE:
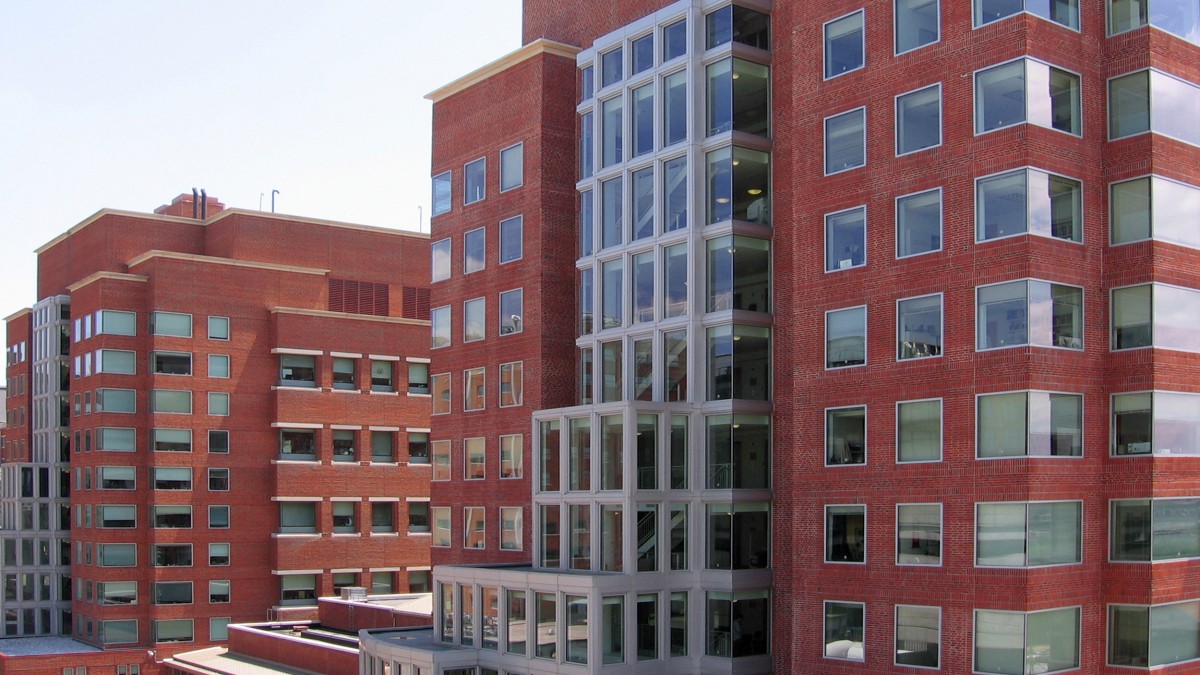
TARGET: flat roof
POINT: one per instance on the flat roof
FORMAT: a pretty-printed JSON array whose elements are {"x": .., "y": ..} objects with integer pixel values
[
  {"x": 501, "y": 64},
  {"x": 50, "y": 644},
  {"x": 220, "y": 661}
]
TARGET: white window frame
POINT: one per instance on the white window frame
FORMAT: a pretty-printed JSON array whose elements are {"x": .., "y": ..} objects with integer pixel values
[{"x": 896, "y": 120}]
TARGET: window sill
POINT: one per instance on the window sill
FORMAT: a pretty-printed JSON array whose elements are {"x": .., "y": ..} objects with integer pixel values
[
  {"x": 411, "y": 394},
  {"x": 296, "y": 535},
  {"x": 385, "y": 534},
  {"x": 418, "y": 464},
  {"x": 346, "y": 535},
  {"x": 384, "y": 393},
  {"x": 343, "y": 391},
  {"x": 284, "y": 387},
  {"x": 420, "y": 534}
]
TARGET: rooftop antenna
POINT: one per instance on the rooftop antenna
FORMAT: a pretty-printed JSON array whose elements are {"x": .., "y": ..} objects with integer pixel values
[
  {"x": 420, "y": 218},
  {"x": 273, "y": 193},
  {"x": 260, "y": 198}
]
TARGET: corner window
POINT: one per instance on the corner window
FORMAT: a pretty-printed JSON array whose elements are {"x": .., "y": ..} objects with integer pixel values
[
  {"x": 511, "y": 311},
  {"x": 116, "y": 439},
  {"x": 117, "y": 555},
  {"x": 440, "y": 252},
  {"x": 441, "y": 193},
  {"x": 1159, "y": 422},
  {"x": 587, "y": 84},
  {"x": 919, "y": 120},
  {"x": 919, "y": 431},
  {"x": 846, "y": 239},
  {"x": 846, "y": 534},
  {"x": 846, "y": 436},
  {"x": 738, "y": 536},
  {"x": 474, "y": 250},
  {"x": 1034, "y": 534},
  {"x": 917, "y": 24},
  {"x": 738, "y": 185},
  {"x": 116, "y": 477},
  {"x": 844, "y": 629},
  {"x": 474, "y": 389},
  {"x": 1157, "y": 635},
  {"x": 1181, "y": 19},
  {"x": 1028, "y": 201},
  {"x": 382, "y": 376},
  {"x": 115, "y": 361},
  {"x": 474, "y": 317},
  {"x": 845, "y": 141},
  {"x": 587, "y": 150},
  {"x": 1027, "y": 91},
  {"x": 474, "y": 178},
  {"x": 171, "y": 323},
  {"x": 1033, "y": 424},
  {"x": 512, "y": 167},
  {"x": 1156, "y": 208},
  {"x": 738, "y": 453},
  {"x": 439, "y": 319},
  {"x": 739, "y": 363},
  {"x": 116, "y": 400},
  {"x": 844, "y": 45},
  {"x": 1144, "y": 530},
  {"x": 218, "y": 328},
  {"x": 846, "y": 337},
  {"x": 1034, "y": 642},
  {"x": 738, "y": 97},
  {"x": 1028, "y": 313},
  {"x": 511, "y": 239},
  {"x": 1065, "y": 12},
  {"x": 919, "y": 327},
  {"x": 734, "y": 23},
  {"x": 918, "y": 534}
]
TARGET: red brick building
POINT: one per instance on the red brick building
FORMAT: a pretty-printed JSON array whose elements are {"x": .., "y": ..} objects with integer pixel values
[
  {"x": 218, "y": 416},
  {"x": 936, "y": 268}
]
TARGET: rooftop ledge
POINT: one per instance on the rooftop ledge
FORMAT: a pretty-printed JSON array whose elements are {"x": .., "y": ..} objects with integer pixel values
[{"x": 535, "y": 48}]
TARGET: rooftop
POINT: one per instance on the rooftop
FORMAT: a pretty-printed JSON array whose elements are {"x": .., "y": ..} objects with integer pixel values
[{"x": 55, "y": 644}]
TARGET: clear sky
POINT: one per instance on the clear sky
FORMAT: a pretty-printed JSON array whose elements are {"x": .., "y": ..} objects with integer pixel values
[{"x": 128, "y": 103}]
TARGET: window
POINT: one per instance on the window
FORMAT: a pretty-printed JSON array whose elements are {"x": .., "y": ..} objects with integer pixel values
[
  {"x": 172, "y": 592},
  {"x": 1155, "y": 315},
  {"x": 441, "y": 193},
  {"x": 844, "y": 629},
  {"x": 218, "y": 480},
  {"x": 298, "y": 589},
  {"x": 218, "y": 403},
  {"x": 441, "y": 526},
  {"x": 1156, "y": 208},
  {"x": 512, "y": 167},
  {"x": 418, "y": 378},
  {"x": 115, "y": 361},
  {"x": 918, "y": 636},
  {"x": 738, "y": 536},
  {"x": 675, "y": 110},
  {"x": 475, "y": 458},
  {"x": 115, "y": 632},
  {"x": 439, "y": 318},
  {"x": 1177, "y": 18},
  {"x": 297, "y": 517},
  {"x": 738, "y": 623},
  {"x": 1033, "y": 642},
  {"x": 1155, "y": 635},
  {"x": 171, "y": 323},
  {"x": 511, "y": 528},
  {"x": 474, "y": 177},
  {"x": 218, "y": 441},
  {"x": 474, "y": 388},
  {"x": 919, "y": 327},
  {"x": 344, "y": 376},
  {"x": 116, "y": 516},
  {"x": 641, "y": 54},
  {"x": 297, "y": 444},
  {"x": 116, "y": 439},
  {"x": 737, "y": 97},
  {"x": 441, "y": 460},
  {"x": 846, "y": 337},
  {"x": 418, "y": 517},
  {"x": 587, "y": 151},
  {"x": 440, "y": 252},
  {"x": 1145, "y": 530},
  {"x": 173, "y": 555},
  {"x": 918, "y": 534},
  {"x": 511, "y": 311},
  {"x": 474, "y": 527},
  {"x": 418, "y": 447},
  {"x": 734, "y": 23},
  {"x": 738, "y": 274},
  {"x": 511, "y": 239},
  {"x": 343, "y": 517},
  {"x": 611, "y": 67},
  {"x": 919, "y": 120},
  {"x": 739, "y": 362},
  {"x": 1029, "y": 423},
  {"x": 845, "y": 141},
  {"x": 172, "y": 516},
  {"x": 612, "y": 121},
  {"x": 112, "y": 322},
  {"x": 511, "y": 384},
  {"x": 846, "y": 436},
  {"x": 218, "y": 555},
  {"x": 474, "y": 318},
  {"x": 1027, "y": 91},
  {"x": 1065, "y": 12},
  {"x": 116, "y": 477},
  {"x": 1028, "y": 201},
  {"x": 674, "y": 40},
  {"x": 297, "y": 370},
  {"x": 117, "y": 592},
  {"x": 383, "y": 516},
  {"x": 1160, "y": 422},
  {"x": 844, "y": 45},
  {"x": 611, "y": 212},
  {"x": 846, "y": 239},
  {"x": 116, "y": 401},
  {"x": 382, "y": 376},
  {"x": 1034, "y": 534},
  {"x": 1003, "y": 313},
  {"x": 845, "y": 534},
  {"x": 116, "y": 555},
  {"x": 171, "y": 401},
  {"x": 917, "y": 24},
  {"x": 218, "y": 328},
  {"x": 440, "y": 386},
  {"x": 919, "y": 431},
  {"x": 218, "y": 517},
  {"x": 474, "y": 250},
  {"x": 642, "y": 121},
  {"x": 738, "y": 185},
  {"x": 172, "y": 477},
  {"x": 218, "y": 365},
  {"x": 218, "y": 591},
  {"x": 919, "y": 223},
  {"x": 171, "y": 363}
]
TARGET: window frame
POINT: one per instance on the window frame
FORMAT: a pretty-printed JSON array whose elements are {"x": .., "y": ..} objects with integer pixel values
[
  {"x": 941, "y": 328},
  {"x": 896, "y": 638},
  {"x": 468, "y": 397},
  {"x": 519, "y": 221},
  {"x": 825, "y": 629},
  {"x": 866, "y": 334},
  {"x": 153, "y": 327},
  {"x": 829, "y": 439},
  {"x": 896, "y": 51},
  {"x": 448, "y": 175},
  {"x": 976, "y": 24},
  {"x": 941, "y": 561},
  {"x": 825, "y": 46},
  {"x": 1027, "y": 231},
  {"x": 1027, "y": 393},
  {"x": 865, "y": 147},
  {"x": 828, "y": 559},
  {"x": 1028, "y": 332},
  {"x": 434, "y": 251},
  {"x": 940, "y": 190},
  {"x": 829, "y": 268},
  {"x": 1025, "y": 633},
  {"x": 481, "y": 232},
  {"x": 1025, "y": 60},
  {"x": 467, "y": 181},
  {"x": 896, "y": 120},
  {"x": 1081, "y": 533},
  {"x": 468, "y": 305},
  {"x": 518, "y": 146},
  {"x": 219, "y": 319},
  {"x": 941, "y": 431}
]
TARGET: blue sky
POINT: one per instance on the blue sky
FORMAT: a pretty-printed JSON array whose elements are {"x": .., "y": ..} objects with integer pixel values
[{"x": 126, "y": 104}]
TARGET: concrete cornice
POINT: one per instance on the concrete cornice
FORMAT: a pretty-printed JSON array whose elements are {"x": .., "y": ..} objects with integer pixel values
[
  {"x": 113, "y": 276},
  {"x": 535, "y": 48},
  {"x": 154, "y": 217},
  {"x": 18, "y": 314},
  {"x": 315, "y": 221},
  {"x": 210, "y": 260}
]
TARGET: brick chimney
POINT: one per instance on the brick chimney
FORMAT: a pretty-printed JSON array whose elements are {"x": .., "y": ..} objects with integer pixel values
[{"x": 191, "y": 206}]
